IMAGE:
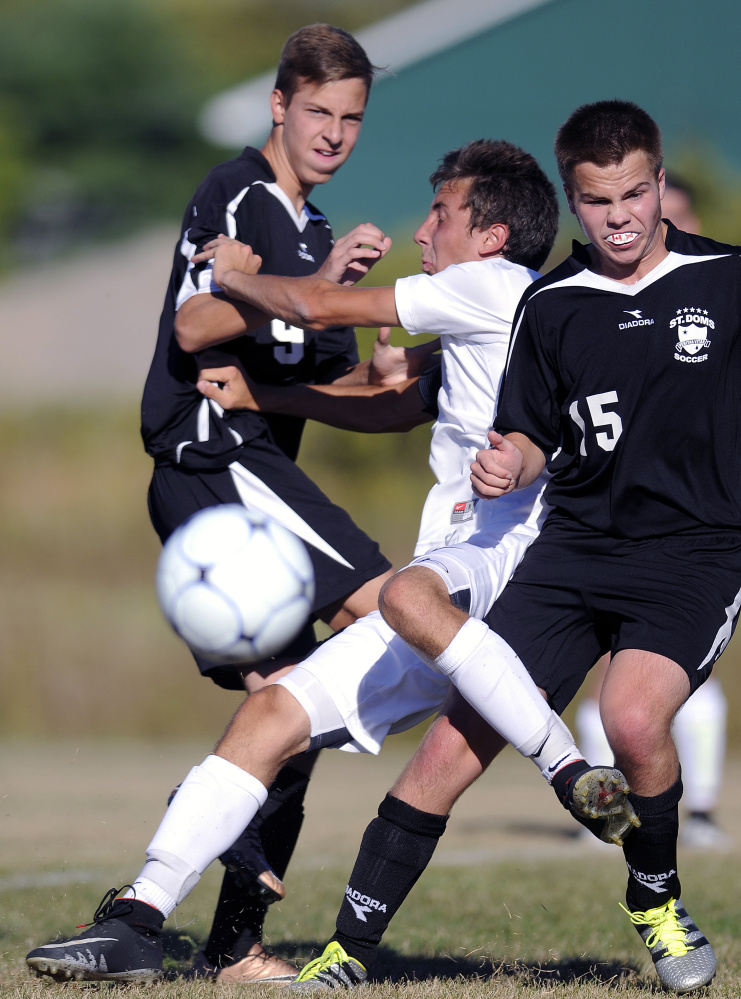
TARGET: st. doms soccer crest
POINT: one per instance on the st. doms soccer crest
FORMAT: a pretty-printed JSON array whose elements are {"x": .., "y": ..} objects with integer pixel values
[{"x": 692, "y": 326}]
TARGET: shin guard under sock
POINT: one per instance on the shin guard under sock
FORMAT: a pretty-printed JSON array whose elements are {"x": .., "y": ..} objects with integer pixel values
[
  {"x": 396, "y": 848},
  {"x": 651, "y": 850}
]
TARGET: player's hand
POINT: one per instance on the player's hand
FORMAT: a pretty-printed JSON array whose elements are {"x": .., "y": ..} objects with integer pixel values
[
  {"x": 391, "y": 365},
  {"x": 497, "y": 469},
  {"x": 353, "y": 255},
  {"x": 229, "y": 387},
  {"x": 228, "y": 255}
]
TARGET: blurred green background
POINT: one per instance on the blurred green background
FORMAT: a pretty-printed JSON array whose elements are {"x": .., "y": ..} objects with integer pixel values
[{"x": 98, "y": 107}]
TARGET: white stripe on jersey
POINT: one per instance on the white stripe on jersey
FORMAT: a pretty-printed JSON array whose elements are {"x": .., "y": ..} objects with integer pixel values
[
  {"x": 257, "y": 496},
  {"x": 206, "y": 284},
  {"x": 589, "y": 279}
]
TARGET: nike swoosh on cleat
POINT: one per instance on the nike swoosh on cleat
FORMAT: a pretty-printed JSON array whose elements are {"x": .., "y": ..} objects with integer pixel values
[{"x": 66, "y": 942}]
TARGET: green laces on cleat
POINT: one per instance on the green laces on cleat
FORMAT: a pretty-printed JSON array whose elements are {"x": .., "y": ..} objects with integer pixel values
[
  {"x": 684, "y": 959},
  {"x": 335, "y": 969}
]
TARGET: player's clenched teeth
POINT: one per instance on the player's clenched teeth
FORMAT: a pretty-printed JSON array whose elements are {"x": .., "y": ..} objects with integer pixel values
[{"x": 621, "y": 238}]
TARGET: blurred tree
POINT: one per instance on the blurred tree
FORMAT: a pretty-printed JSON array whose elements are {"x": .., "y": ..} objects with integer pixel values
[
  {"x": 107, "y": 104},
  {"x": 232, "y": 40},
  {"x": 99, "y": 101}
]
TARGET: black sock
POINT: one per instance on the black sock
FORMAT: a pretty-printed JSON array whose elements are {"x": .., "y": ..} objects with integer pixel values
[
  {"x": 396, "y": 848},
  {"x": 239, "y": 917},
  {"x": 143, "y": 917},
  {"x": 282, "y": 816},
  {"x": 237, "y": 923},
  {"x": 651, "y": 850}
]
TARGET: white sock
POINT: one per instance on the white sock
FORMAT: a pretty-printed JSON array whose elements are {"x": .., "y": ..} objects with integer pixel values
[
  {"x": 557, "y": 749},
  {"x": 699, "y": 731},
  {"x": 491, "y": 677},
  {"x": 213, "y": 805}
]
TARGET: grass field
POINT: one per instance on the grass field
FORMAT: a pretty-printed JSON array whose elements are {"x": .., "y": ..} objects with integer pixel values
[{"x": 513, "y": 903}]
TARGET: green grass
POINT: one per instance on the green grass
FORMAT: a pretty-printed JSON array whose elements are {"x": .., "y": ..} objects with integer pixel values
[
  {"x": 531, "y": 929},
  {"x": 539, "y": 916}
]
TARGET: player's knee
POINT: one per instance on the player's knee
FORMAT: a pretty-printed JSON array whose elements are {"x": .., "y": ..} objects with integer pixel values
[
  {"x": 400, "y": 594},
  {"x": 270, "y": 723},
  {"x": 391, "y": 599},
  {"x": 286, "y": 717},
  {"x": 635, "y": 732}
]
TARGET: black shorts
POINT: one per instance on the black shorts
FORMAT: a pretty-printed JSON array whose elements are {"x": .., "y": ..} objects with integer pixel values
[
  {"x": 265, "y": 480},
  {"x": 577, "y": 594}
]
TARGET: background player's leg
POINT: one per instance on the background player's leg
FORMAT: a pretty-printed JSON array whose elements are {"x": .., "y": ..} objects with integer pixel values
[
  {"x": 700, "y": 734},
  {"x": 357, "y": 604},
  {"x": 589, "y": 728}
]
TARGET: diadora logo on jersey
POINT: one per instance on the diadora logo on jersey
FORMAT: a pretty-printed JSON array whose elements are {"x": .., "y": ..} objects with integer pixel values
[
  {"x": 462, "y": 512},
  {"x": 656, "y": 882},
  {"x": 692, "y": 326},
  {"x": 303, "y": 252},
  {"x": 363, "y": 903},
  {"x": 637, "y": 319}
]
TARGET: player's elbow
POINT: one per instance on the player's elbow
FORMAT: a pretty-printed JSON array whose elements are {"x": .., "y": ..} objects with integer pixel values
[
  {"x": 188, "y": 332},
  {"x": 397, "y": 410},
  {"x": 395, "y": 423}
]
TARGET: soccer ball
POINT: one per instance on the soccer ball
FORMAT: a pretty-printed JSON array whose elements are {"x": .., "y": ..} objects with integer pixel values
[{"x": 235, "y": 585}]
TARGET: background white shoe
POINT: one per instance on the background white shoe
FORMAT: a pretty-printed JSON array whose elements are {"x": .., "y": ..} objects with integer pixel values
[{"x": 699, "y": 832}]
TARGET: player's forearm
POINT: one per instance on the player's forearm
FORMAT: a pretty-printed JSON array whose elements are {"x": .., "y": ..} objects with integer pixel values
[
  {"x": 359, "y": 374},
  {"x": 207, "y": 320},
  {"x": 533, "y": 459},
  {"x": 312, "y": 302},
  {"x": 368, "y": 409}
]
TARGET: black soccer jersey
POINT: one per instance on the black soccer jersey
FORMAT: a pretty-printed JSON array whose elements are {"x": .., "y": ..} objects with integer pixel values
[
  {"x": 637, "y": 388},
  {"x": 239, "y": 198}
]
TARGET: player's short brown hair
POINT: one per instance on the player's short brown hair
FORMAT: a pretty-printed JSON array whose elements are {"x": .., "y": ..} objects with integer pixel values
[
  {"x": 604, "y": 133},
  {"x": 321, "y": 53},
  {"x": 505, "y": 185}
]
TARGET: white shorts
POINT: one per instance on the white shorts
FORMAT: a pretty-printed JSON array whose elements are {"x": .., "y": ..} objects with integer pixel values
[
  {"x": 362, "y": 684},
  {"x": 365, "y": 682}
]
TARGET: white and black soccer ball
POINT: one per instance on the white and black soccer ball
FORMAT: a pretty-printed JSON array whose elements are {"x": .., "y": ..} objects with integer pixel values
[{"x": 235, "y": 585}]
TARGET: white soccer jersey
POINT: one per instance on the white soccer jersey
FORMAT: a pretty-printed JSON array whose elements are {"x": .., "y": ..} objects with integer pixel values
[
  {"x": 470, "y": 307},
  {"x": 373, "y": 680}
]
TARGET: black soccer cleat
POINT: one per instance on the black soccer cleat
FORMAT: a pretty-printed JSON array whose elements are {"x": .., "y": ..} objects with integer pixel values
[
  {"x": 109, "y": 949},
  {"x": 246, "y": 859}
]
